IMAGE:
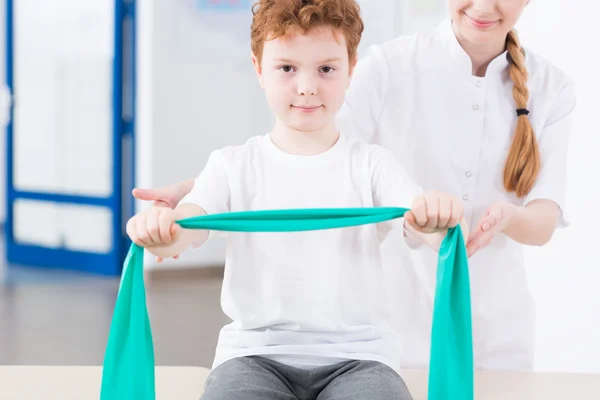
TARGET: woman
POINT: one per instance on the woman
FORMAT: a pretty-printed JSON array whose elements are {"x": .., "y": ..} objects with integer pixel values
[{"x": 468, "y": 112}]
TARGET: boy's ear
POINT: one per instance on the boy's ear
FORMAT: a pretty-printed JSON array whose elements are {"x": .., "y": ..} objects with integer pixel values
[{"x": 257, "y": 69}]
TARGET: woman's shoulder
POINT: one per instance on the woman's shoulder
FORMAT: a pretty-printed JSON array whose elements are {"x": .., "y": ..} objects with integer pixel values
[
  {"x": 545, "y": 76},
  {"x": 413, "y": 53},
  {"x": 542, "y": 69},
  {"x": 411, "y": 44}
]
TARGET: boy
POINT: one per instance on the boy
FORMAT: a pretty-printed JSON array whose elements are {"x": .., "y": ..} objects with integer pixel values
[{"x": 311, "y": 315}]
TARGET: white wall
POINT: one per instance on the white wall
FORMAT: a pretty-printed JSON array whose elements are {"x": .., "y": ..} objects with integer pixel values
[
  {"x": 565, "y": 274},
  {"x": 189, "y": 87}
]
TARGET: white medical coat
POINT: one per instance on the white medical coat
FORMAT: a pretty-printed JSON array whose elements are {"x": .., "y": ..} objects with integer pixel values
[{"x": 416, "y": 96}]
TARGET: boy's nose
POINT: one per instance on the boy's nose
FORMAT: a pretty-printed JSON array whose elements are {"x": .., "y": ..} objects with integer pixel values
[
  {"x": 307, "y": 87},
  {"x": 308, "y": 92}
]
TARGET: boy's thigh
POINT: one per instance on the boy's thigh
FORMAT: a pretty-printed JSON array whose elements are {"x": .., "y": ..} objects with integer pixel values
[
  {"x": 366, "y": 380},
  {"x": 245, "y": 378}
]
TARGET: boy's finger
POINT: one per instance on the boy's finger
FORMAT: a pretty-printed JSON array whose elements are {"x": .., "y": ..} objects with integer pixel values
[
  {"x": 457, "y": 214},
  {"x": 411, "y": 220},
  {"x": 419, "y": 209},
  {"x": 409, "y": 217},
  {"x": 141, "y": 232},
  {"x": 131, "y": 229},
  {"x": 165, "y": 222},
  {"x": 445, "y": 213},
  {"x": 153, "y": 229},
  {"x": 432, "y": 202},
  {"x": 175, "y": 229}
]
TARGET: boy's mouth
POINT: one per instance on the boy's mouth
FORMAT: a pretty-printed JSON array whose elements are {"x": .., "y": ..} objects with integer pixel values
[{"x": 307, "y": 109}]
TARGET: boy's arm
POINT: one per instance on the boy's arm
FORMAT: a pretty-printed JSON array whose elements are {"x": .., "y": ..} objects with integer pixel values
[
  {"x": 393, "y": 187},
  {"x": 209, "y": 193}
]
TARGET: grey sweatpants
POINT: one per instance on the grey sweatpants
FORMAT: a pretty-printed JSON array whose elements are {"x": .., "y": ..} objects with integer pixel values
[{"x": 258, "y": 378}]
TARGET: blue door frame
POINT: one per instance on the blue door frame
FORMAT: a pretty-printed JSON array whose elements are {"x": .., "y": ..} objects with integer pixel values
[{"x": 120, "y": 201}]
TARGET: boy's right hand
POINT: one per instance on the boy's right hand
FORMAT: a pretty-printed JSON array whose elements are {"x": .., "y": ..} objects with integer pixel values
[{"x": 154, "y": 227}]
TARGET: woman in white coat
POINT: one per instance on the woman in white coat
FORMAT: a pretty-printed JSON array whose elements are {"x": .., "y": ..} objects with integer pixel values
[{"x": 468, "y": 112}]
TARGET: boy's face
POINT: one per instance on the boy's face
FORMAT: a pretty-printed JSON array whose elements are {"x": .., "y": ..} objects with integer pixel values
[{"x": 305, "y": 77}]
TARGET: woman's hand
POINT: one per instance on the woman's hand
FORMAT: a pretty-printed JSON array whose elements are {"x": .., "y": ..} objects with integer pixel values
[
  {"x": 165, "y": 196},
  {"x": 497, "y": 219}
]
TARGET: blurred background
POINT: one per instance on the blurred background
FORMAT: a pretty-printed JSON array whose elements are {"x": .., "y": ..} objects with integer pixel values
[{"x": 107, "y": 95}]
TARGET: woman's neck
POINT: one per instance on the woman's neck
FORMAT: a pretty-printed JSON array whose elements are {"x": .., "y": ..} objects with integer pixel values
[{"x": 481, "y": 54}]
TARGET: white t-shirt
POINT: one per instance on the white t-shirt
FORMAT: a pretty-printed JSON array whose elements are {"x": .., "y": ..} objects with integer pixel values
[
  {"x": 417, "y": 97},
  {"x": 315, "y": 297}
]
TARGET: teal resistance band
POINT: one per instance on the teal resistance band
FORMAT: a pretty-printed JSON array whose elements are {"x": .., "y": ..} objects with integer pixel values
[{"x": 128, "y": 371}]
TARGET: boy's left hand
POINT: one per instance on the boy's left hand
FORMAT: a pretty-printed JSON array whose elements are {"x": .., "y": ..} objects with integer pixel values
[{"x": 435, "y": 212}]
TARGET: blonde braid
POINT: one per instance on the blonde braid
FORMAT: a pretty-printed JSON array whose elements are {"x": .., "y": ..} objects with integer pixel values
[{"x": 523, "y": 162}]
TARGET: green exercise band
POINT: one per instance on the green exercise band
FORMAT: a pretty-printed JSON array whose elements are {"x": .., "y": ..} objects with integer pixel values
[{"x": 128, "y": 370}]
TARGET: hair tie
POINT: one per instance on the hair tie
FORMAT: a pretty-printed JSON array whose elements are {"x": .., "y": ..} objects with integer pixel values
[{"x": 522, "y": 111}]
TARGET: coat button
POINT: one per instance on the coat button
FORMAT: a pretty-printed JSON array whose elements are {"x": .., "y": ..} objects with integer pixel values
[
  {"x": 465, "y": 197},
  {"x": 475, "y": 107},
  {"x": 468, "y": 174}
]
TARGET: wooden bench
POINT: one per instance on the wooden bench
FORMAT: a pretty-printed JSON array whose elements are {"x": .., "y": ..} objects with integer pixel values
[{"x": 186, "y": 383}]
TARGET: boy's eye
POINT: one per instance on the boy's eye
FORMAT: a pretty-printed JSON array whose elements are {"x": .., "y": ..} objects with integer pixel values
[
  {"x": 327, "y": 70},
  {"x": 286, "y": 68}
]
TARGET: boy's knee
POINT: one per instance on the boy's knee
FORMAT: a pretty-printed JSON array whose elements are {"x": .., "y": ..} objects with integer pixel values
[
  {"x": 223, "y": 382},
  {"x": 368, "y": 380},
  {"x": 243, "y": 378}
]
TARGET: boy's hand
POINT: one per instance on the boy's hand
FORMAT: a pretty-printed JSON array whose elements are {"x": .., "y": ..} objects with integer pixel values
[
  {"x": 435, "y": 212},
  {"x": 154, "y": 227}
]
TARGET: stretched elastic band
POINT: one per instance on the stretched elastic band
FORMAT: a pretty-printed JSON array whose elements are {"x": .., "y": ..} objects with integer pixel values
[{"x": 128, "y": 370}]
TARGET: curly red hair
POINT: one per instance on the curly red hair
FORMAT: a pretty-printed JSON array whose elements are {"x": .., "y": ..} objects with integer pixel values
[{"x": 274, "y": 18}]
